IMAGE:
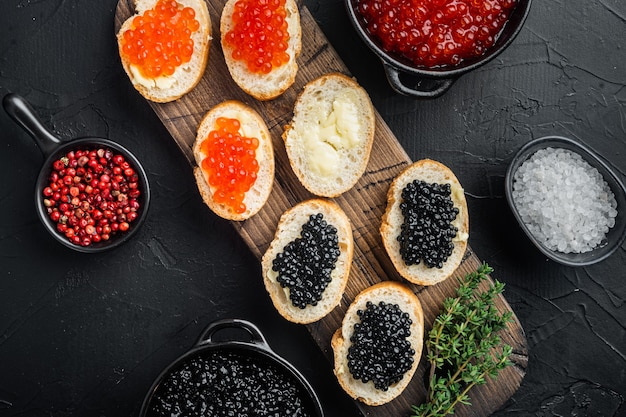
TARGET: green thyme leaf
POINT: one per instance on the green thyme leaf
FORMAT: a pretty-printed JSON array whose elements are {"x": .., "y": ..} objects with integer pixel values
[{"x": 463, "y": 347}]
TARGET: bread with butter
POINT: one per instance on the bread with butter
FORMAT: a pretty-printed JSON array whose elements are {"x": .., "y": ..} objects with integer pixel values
[
  {"x": 252, "y": 125},
  {"x": 330, "y": 136},
  {"x": 389, "y": 292},
  {"x": 429, "y": 171},
  {"x": 187, "y": 75}
]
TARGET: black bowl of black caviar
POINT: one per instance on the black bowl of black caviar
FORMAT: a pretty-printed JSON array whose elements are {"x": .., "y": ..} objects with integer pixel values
[
  {"x": 92, "y": 194},
  {"x": 412, "y": 47},
  {"x": 231, "y": 377},
  {"x": 567, "y": 200}
]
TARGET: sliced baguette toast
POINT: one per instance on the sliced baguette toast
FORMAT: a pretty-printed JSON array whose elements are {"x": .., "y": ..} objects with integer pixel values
[
  {"x": 264, "y": 86},
  {"x": 187, "y": 75},
  {"x": 252, "y": 125},
  {"x": 289, "y": 228},
  {"x": 390, "y": 292},
  {"x": 330, "y": 136},
  {"x": 431, "y": 172}
]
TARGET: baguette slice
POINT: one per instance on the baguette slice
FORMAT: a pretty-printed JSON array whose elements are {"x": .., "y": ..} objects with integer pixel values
[
  {"x": 289, "y": 228},
  {"x": 330, "y": 137},
  {"x": 390, "y": 292},
  {"x": 252, "y": 125},
  {"x": 264, "y": 86},
  {"x": 433, "y": 172},
  {"x": 186, "y": 76}
]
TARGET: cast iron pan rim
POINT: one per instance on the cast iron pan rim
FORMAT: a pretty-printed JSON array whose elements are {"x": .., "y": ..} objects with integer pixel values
[
  {"x": 246, "y": 349},
  {"x": 92, "y": 143},
  {"x": 444, "y": 73},
  {"x": 615, "y": 236}
]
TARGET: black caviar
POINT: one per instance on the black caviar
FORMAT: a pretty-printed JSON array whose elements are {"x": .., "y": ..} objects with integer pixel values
[
  {"x": 224, "y": 384},
  {"x": 306, "y": 263},
  {"x": 380, "y": 351},
  {"x": 427, "y": 230}
]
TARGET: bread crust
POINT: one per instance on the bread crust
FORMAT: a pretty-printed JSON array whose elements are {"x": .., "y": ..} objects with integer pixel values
[
  {"x": 318, "y": 97},
  {"x": 187, "y": 76},
  {"x": 256, "y": 197},
  {"x": 433, "y": 172},
  {"x": 288, "y": 229},
  {"x": 264, "y": 86},
  {"x": 389, "y": 292}
]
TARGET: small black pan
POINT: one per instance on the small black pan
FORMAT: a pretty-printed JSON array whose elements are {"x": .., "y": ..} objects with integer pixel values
[
  {"x": 615, "y": 236},
  {"x": 53, "y": 148},
  {"x": 405, "y": 78},
  {"x": 208, "y": 348}
]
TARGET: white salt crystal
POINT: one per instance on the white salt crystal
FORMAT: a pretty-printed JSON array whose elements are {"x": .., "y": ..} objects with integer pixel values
[{"x": 564, "y": 201}]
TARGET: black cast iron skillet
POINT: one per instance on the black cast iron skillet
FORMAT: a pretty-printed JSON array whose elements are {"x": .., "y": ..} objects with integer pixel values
[
  {"x": 405, "y": 78},
  {"x": 256, "y": 348},
  {"x": 53, "y": 148}
]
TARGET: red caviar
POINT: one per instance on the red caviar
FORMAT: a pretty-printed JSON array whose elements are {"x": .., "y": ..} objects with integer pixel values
[
  {"x": 435, "y": 33},
  {"x": 259, "y": 36},
  {"x": 159, "y": 41},
  {"x": 230, "y": 163}
]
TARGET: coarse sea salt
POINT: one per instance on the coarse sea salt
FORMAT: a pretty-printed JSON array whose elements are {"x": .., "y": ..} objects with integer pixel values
[{"x": 564, "y": 202}]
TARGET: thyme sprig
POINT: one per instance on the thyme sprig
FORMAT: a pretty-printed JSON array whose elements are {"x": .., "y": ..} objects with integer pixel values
[{"x": 463, "y": 347}]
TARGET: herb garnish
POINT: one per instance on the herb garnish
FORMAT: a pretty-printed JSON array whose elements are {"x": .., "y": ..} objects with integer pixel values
[{"x": 463, "y": 346}]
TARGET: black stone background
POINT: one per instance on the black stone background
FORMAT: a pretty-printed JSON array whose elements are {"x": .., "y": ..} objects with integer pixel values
[{"x": 86, "y": 335}]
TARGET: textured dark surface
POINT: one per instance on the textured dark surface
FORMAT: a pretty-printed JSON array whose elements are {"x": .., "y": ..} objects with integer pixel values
[{"x": 85, "y": 335}]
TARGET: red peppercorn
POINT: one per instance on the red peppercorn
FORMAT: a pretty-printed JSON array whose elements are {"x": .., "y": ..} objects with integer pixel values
[
  {"x": 58, "y": 165},
  {"x": 118, "y": 160},
  {"x": 55, "y": 215},
  {"x": 83, "y": 195}
]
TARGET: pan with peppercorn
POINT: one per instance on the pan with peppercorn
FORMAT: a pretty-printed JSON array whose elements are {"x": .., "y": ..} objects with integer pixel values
[
  {"x": 425, "y": 46},
  {"x": 226, "y": 376},
  {"x": 91, "y": 194}
]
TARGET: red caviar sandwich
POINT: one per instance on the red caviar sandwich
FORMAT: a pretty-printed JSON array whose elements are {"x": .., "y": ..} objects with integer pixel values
[
  {"x": 164, "y": 47},
  {"x": 261, "y": 40},
  {"x": 235, "y": 160}
]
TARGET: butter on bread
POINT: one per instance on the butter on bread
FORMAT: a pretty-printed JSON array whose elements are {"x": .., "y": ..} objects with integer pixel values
[
  {"x": 169, "y": 88},
  {"x": 429, "y": 171},
  {"x": 264, "y": 86},
  {"x": 390, "y": 292},
  {"x": 252, "y": 125},
  {"x": 330, "y": 136}
]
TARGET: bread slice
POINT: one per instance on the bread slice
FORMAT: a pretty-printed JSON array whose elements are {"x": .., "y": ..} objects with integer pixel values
[
  {"x": 432, "y": 172},
  {"x": 390, "y": 292},
  {"x": 186, "y": 76},
  {"x": 289, "y": 228},
  {"x": 330, "y": 137},
  {"x": 252, "y": 125},
  {"x": 264, "y": 86}
]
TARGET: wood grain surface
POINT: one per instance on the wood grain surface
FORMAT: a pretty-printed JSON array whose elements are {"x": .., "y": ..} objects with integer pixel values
[{"x": 364, "y": 205}]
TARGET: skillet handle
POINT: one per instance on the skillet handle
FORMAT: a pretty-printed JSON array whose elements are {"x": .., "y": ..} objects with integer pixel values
[
  {"x": 24, "y": 115},
  {"x": 257, "y": 338},
  {"x": 436, "y": 89}
]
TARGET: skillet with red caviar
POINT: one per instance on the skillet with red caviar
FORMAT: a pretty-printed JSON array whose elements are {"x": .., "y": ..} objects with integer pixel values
[{"x": 426, "y": 45}]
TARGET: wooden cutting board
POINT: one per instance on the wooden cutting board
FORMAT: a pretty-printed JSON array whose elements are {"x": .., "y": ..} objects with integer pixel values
[{"x": 364, "y": 204}]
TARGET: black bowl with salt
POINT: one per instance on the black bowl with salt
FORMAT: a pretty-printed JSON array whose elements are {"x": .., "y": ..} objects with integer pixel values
[{"x": 567, "y": 200}]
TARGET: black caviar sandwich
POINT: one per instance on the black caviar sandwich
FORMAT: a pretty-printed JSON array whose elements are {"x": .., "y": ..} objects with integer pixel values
[
  {"x": 306, "y": 267},
  {"x": 379, "y": 344},
  {"x": 425, "y": 227}
]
